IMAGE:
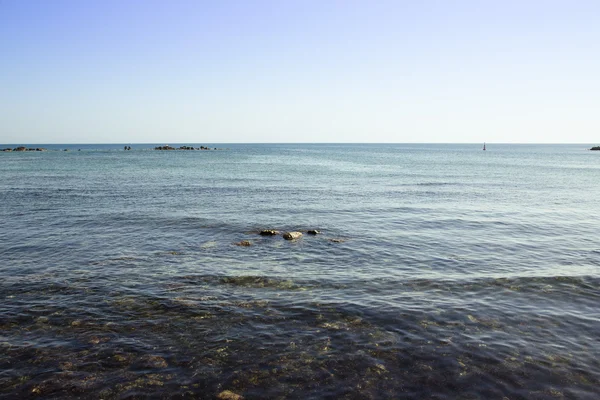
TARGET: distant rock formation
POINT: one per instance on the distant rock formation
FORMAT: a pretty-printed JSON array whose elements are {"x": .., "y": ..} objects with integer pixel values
[
  {"x": 23, "y": 148},
  {"x": 167, "y": 147},
  {"x": 595, "y": 148}
]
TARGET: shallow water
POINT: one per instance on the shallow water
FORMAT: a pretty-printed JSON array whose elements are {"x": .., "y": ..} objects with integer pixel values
[{"x": 442, "y": 271}]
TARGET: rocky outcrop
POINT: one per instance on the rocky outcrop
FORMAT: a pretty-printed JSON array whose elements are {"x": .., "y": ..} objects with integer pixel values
[
  {"x": 167, "y": 147},
  {"x": 269, "y": 232},
  {"x": 595, "y": 148},
  {"x": 292, "y": 235},
  {"x": 23, "y": 148},
  {"x": 288, "y": 235}
]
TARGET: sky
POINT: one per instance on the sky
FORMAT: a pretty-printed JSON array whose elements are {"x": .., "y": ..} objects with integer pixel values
[{"x": 243, "y": 71}]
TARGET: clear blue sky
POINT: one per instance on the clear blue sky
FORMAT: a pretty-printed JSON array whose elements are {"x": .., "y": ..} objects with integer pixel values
[{"x": 299, "y": 71}]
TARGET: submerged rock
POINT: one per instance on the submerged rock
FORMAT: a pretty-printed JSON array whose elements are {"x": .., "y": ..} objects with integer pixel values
[
  {"x": 269, "y": 232},
  {"x": 229, "y": 395},
  {"x": 337, "y": 240},
  {"x": 244, "y": 243},
  {"x": 152, "y": 361},
  {"x": 313, "y": 232},
  {"x": 292, "y": 235}
]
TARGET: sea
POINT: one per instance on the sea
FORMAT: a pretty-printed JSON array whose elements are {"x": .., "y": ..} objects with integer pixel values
[{"x": 440, "y": 271}]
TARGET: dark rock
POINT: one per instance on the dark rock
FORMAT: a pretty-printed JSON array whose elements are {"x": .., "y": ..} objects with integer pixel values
[
  {"x": 165, "y": 147},
  {"x": 337, "y": 240},
  {"x": 23, "y": 148},
  {"x": 292, "y": 235},
  {"x": 595, "y": 148},
  {"x": 313, "y": 232},
  {"x": 269, "y": 232}
]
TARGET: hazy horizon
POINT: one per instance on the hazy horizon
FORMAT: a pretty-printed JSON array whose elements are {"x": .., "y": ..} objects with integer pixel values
[
  {"x": 293, "y": 143},
  {"x": 299, "y": 72}
]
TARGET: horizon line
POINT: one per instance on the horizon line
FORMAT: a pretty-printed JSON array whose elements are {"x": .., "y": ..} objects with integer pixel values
[{"x": 284, "y": 143}]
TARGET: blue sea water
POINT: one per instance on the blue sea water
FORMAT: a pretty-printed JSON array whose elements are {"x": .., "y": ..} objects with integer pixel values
[{"x": 441, "y": 271}]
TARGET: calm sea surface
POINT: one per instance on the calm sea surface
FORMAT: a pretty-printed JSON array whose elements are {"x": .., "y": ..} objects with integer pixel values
[{"x": 442, "y": 271}]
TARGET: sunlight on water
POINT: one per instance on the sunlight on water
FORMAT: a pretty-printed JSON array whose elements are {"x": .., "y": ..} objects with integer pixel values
[{"x": 439, "y": 271}]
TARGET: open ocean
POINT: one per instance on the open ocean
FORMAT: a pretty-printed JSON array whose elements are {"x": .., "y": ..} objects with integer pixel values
[{"x": 441, "y": 272}]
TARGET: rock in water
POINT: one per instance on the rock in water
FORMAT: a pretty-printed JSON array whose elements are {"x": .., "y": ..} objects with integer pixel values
[
  {"x": 269, "y": 232},
  {"x": 244, "y": 243},
  {"x": 229, "y": 395},
  {"x": 292, "y": 235},
  {"x": 313, "y": 232}
]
